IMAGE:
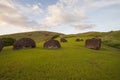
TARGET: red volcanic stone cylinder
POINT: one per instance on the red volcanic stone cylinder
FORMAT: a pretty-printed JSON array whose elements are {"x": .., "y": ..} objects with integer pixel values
[
  {"x": 24, "y": 43},
  {"x": 1, "y": 45},
  {"x": 94, "y": 43},
  {"x": 63, "y": 40},
  {"x": 77, "y": 40},
  {"x": 52, "y": 44}
]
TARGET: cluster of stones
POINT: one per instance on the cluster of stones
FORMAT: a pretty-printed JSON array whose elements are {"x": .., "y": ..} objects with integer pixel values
[
  {"x": 63, "y": 40},
  {"x": 78, "y": 40},
  {"x": 53, "y": 44},
  {"x": 94, "y": 43}
]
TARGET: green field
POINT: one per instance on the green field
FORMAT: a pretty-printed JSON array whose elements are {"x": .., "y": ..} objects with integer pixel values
[{"x": 72, "y": 62}]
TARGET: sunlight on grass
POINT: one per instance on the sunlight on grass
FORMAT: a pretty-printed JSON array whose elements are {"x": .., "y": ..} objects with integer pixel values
[{"x": 72, "y": 62}]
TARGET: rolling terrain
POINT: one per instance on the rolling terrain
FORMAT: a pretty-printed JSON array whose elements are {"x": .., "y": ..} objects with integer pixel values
[
  {"x": 71, "y": 62},
  {"x": 36, "y": 35}
]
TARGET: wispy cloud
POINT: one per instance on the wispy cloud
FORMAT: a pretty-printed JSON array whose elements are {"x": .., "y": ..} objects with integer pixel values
[
  {"x": 103, "y": 3},
  {"x": 74, "y": 12},
  {"x": 11, "y": 15},
  {"x": 64, "y": 12}
]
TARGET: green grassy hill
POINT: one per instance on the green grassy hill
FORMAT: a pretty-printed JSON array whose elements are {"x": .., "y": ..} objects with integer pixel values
[
  {"x": 111, "y": 38},
  {"x": 36, "y": 35},
  {"x": 71, "y": 62}
]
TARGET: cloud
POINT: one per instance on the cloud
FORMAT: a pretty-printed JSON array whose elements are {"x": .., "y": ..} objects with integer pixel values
[
  {"x": 96, "y": 4},
  {"x": 65, "y": 12},
  {"x": 11, "y": 15},
  {"x": 73, "y": 12},
  {"x": 34, "y": 9},
  {"x": 83, "y": 26}
]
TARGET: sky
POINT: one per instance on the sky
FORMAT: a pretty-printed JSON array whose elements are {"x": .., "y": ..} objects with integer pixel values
[{"x": 63, "y": 16}]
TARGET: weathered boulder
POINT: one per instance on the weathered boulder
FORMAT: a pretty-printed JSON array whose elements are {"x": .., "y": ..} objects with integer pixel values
[
  {"x": 78, "y": 40},
  {"x": 52, "y": 44},
  {"x": 63, "y": 40},
  {"x": 24, "y": 43},
  {"x": 94, "y": 43},
  {"x": 1, "y": 45}
]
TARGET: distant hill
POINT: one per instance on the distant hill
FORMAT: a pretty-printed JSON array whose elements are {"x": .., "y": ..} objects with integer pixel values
[
  {"x": 36, "y": 35},
  {"x": 111, "y": 38},
  {"x": 96, "y": 34}
]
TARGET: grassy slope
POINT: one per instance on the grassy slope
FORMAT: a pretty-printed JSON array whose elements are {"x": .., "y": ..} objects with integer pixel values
[
  {"x": 37, "y": 35},
  {"x": 111, "y": 39},
  {"x": 72, "y": 62}
]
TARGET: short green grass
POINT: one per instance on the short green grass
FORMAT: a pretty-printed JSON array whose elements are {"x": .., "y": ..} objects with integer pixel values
[{"x": 72, "y": 62}]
